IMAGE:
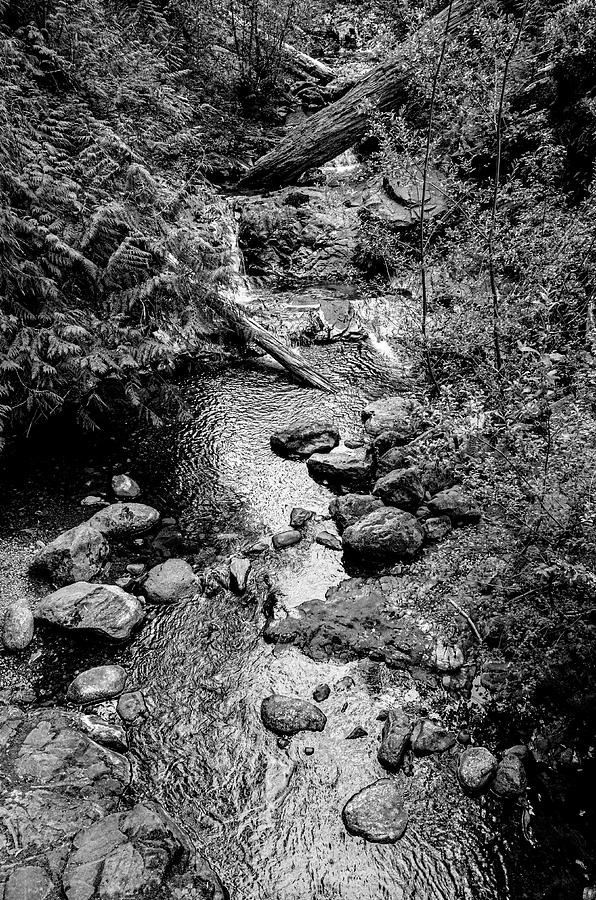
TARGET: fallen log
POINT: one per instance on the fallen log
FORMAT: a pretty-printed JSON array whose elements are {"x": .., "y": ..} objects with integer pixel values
[
  {"x": 337, "y": 127},
  {"x": 304, "y": 64}
]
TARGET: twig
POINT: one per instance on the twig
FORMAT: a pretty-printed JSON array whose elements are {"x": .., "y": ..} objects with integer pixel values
[{"x": 466, "y": 617}]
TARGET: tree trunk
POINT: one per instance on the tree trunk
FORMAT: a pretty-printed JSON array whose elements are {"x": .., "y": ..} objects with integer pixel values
[
  {"x": 339, "y": 126},
  {"x": 303, "y": 64}
]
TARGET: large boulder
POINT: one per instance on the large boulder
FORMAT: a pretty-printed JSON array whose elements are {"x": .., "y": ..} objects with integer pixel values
[
  {"x": 358, "y": 619},
  {"x": 430, "y": 737},
  {"x": 348, "y": 509},
  {"x": 170, "y": 581},
  {"x": 454, "y": 502},
  {"x": 98, "y": 683},
  {"x": 122, "y": 519},
  {"x": 376, "y": 813},
  {"x": 383, "y": 536},
  {"x": 476, "y": 768},
  {"x": 401, "y": 487},
  {"x": 400, "y": 415},
  {"x": 102, "y": 608},
  {"x": 302, "y": 440},
  {"x": 395, "y": 738},
  {"x": 18, "y": 626},
  {"x": 289, "y": 715},
  {"x": 350, "y": 469},
  {"x": 76, "y": 555}
]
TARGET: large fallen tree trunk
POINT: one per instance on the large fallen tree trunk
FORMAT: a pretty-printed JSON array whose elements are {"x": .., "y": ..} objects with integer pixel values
[{"x": 337, "y": 127}]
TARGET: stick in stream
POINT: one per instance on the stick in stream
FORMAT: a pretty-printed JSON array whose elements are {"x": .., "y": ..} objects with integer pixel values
[{"x": 466, "y": 617}]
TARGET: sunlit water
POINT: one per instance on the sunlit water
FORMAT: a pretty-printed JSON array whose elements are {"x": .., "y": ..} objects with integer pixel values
[{"x": 269, "y": 819}]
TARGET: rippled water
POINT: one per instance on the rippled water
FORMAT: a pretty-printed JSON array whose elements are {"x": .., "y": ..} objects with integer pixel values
[{"x": 268, "y": 818}]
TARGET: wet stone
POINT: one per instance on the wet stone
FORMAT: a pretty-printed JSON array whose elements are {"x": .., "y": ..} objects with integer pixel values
[
  {"x": 302, "y": 440},
  {"x": 402, "y": 488},
  {"x": 97, "y": 683},
  {"x": 300, "y": 517},
  {"x": 18, "y": 626},
  {"x": 344, "y": 684},
  {"x": 395, "y": 738},
  {"x": 456, "y": 503},
  {"x": 476, "y": 768},
  {"x": 348, "y": 509},
  {"x": 376, "y": 813},
  {"x": 288, "y": 715},
  {"x": 286, "y": 539},
  {"x": 447, "y": 657},
  {"x": 357, "y": 732},
  {"x": 350, "y": 469},
  {"x": 170, "y": 582},
  {"x": 124, "y": 519},
  {"x": 329, "y": 540},
  {"x": 400, "y": 415},
  {"x": 385, "y": 535},
  {"x": 76, "y": 555},
  {"x": 430, "y": 737},
  {"x": 101, "y": 608},
  {"x": 113, "y": 736},
  {"x": 131, "y": 706},
  {"x": 309, "y": 751},
  {"x": 92, "y": 500},
  {"x": 125, "y": 487},
  {"x": 321, "y": 692},
  {"x": 510, "y": 780},
  {"x": 239, "y": 571},
  {"x": 135, "y": 569}
]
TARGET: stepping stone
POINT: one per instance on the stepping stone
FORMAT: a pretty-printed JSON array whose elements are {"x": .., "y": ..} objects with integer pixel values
[
  {"x": 288, "y": 715},
  {"x": 98, "y": 683},
  {"x": 376, "y": 813},
  {"x": 476, "y": 768},
  {"x": 102, "y": 608},
  {"x": 286, "y": 539}
]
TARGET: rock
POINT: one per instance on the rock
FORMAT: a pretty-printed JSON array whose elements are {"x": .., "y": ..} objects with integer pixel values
[
  {"x": 349, "y": 469},
  {"x": 170, "y": 581},
  {"x": 454, "y": 502},
  {"x": 76, "y": 555},
  {"x": 522, "y": 751},
  {"x": 400, "y": 415},
  {"x": 510, "y": 780},
  {"x": 135, "y": 569},
  {"x": 464, "y": 737},
  {"x": 357, "y": 620},
  {"x": 353, "y": 443},
  {"x": 394, "y": 739},
  {"x": 113, "y": 736},
  {"x": 356, "y": 732},
  {"x": 239, "y": 571},
  {"x": 125, "y": 488},
  {"x": 123, "y": 519},
  {"x": 396, "y": 457},
  {"x": 447, "y": 657},
  {"x": 169, "y": 541},
  {"x": 101, "y": 608},
  {"x": 309, "y": 751},
  {"x": 476, "y": 768},
  {"x": 18, "y": 626},
  {"x": 302, "y": 440},
  {"x": 429, "y": 737},
  {"x": 344, "y": 684},
  {"x": 98, "y": 683},
  {"x": 260, "y": 546},
  {"x": 402, "y": 488},
  {"x": 91, "y": 500},
  {"x": 321, "y": 692},
  {"x": 348, "y": 509},
  {"x": 436, "y": 528},
  {"x": 494, "y": 675},
  {"x": 29, "y": 883},
  {"x": 286, "y": 539},
  {"x": 383, "y": 536},
  {"x": 376, "y": 813},
  {"x": 131, "y": 706},
  {"x": 329, "y": 540},
  {"x": 300, "y": 517},
  {"x": 289, "y": 715}
]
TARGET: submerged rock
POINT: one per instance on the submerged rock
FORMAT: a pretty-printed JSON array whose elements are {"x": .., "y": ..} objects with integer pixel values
[
  {"x": 302, "y": 440},
  {"x": 329, "y": 540},
  {"x": 170, "y": 581},
  {"x": 321, "y": 692},
  {"x": 395, "y": 738},
  {"x": 401, "y": 487},
  {"x": 300, "y": 517},
  {"x": 400, "y": 415},
  {"x": 376, "y": 813},
  {"x": 170, "y": 541},
  {"x": 430, "y": 737},
  {"x": 476, "y": 768},
  {"x": 289, "y": 715},
  {"x": 132, "y": 706},
  {"x": 357, "y": 619},
  {"x": 122, "y": 519},
  {"x": 18, "y": 626},
  {"x": 349, "y": 469},
  {"x": 98, "y": 683},
  {"x": 454, "y": 502},
  {"x": 383, "y": 536},
  {"x": 348, "y": 509},
  {"x": 125, "y": 487},
  {"x": 286, "y": 539},
  {"x": 510, "y": 780},
  {"x": 103, "y": 608},
  {"x": 76, "y": 555},
  {"x": 239, "y": 571}
]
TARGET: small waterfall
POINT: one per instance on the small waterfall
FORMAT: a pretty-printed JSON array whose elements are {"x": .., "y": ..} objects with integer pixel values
[{"x": 241, "y": 286}]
